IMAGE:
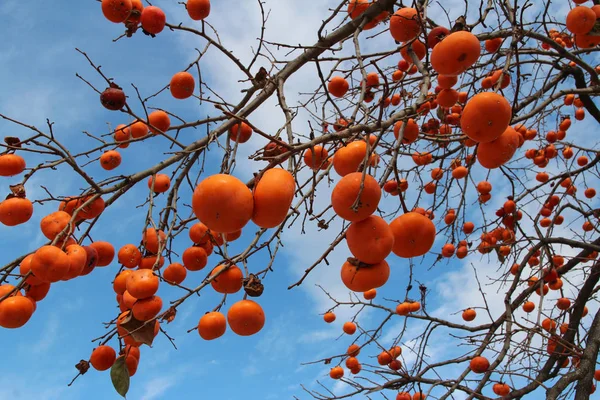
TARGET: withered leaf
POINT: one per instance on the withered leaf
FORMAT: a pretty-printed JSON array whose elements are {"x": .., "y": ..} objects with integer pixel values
[
  {"x": 12, "y": 141},
  {"x": 170, "y": 315},
  {"x": 82, "y": 366},
  {"x": 327, "y": 361},
  {"x": 140, "y": 331},
  {"x": 322, "y": 224},
  {"x": 500, "y": 256},
  {"x": 119, "y": 375},
  {"x": 260, "y": 79},
  {"x": 460, "y": 24},
  {"x": 595, "y": 29},
  {"x": 17, "y": 190}
]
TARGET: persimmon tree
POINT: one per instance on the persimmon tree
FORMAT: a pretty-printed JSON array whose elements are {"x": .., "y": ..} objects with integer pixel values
[{"x": 404, "y": 143}]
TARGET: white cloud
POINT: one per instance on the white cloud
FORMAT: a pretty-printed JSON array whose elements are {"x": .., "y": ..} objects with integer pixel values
[
  {"x": 156, "y": 387},
  {"x": 48, "y": 336}
]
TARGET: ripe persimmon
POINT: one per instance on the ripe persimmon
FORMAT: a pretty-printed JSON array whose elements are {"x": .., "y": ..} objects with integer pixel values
[
  {"x": 138, "y": 130},
  {"x": 417, "y": 47},
  {"x": 501, "y": 389},
  {"x": 24, "y": 268},
  {"x": 15, "y": 311},
  {"x": 414, "y": 235},
  {"x": 212, "y": 325},
  {"x": 182, "y": 85},
  {"x": 468, "y": 227},
  {"x": 152, "y": 239},
  {"x": 336, "y": 373},
  {"x": 469, "y": 314},
  {"x": 338, "y": 86},
  {"x": 110, "y": 160},
  {"x": 147, "y": 308},
  {"x": 198, "y": 9},
  {"x": 92, "y": 260},
  {"x": 315, "y": 157},
  {"x": 16, "y": 210},
  {"x": 103, "y": 357},
  {"x": 528, "y": 306},
  {"x": 55, "y": 223},
  {"x": 223, "y": 203},
  {"x": 370, "y": 240},
  {"x": 349, "y": 328},
  {"x": 142, "y": 283},
  {"x": 329, "y": 317},
  {"x": 405, "y": 24},
  {"x": 229, "y": 281},
  {"x": 580, "y": 20},
  {"x": 161, "y": 183},
  {"x": 492, "y": 45},
  {"x": 120, "y": 282},
  {"x": 194, "y": 258},
  {"x": 129, "y": 256},
  {"x": 175, "y": 273},
  {"x": 153, "y": 20},
  {"x": 106, "y": 253},
  {"x": 246, "y": 317},
  {"x": 11, "y": 164},
  {"x": 127, "y": 300},
  {"x": 456, "y": 53},
  {"x": 199, "y": 233},
  {"x": 152, "y": 261},
  {"x": 500, "y": 150},
  {"x": 563, "y": 303},
  {"x": 273, "y": 195},
  {"x": 122, "y": 134},
  {"x": 410, "y": 133},
  {"x": 357, "y": 7},
  {"x": 50, "y": 264},
  {"x": 360, "y": 277},
  {"x": 345, "y": 194},
  {"x": 158, "y": 120},
  {"x": 240, "y": 133},
  {"x": 479, "y": 364},
  {"x": 485, "y": 117},
  {"x": 77, "y": 260},
  {"x": 116, "y": 11},
  {"x": 350, "y": 157}
]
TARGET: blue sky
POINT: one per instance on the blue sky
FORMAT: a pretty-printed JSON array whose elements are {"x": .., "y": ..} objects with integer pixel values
[{"x": 39, "y": 65}]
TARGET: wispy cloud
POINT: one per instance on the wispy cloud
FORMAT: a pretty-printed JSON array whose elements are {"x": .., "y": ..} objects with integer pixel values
[
  {"x": 48, "y": 336},
  {"x": 156, "y": 387}
]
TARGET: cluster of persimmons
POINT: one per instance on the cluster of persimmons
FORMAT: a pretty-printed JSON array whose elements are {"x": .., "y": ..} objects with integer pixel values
[{"x": 224, "y": 205}]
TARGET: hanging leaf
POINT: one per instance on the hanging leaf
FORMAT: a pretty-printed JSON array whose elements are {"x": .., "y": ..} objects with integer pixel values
[
  {"x": 17, "y": 190},
  {"x": 82, "y": 366},
  {"x": 170, "y": 315},
  {"x": 140, "y": 330},
  {"x": 119, "y": 375},
  {"x": 501, "y": 258}
]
